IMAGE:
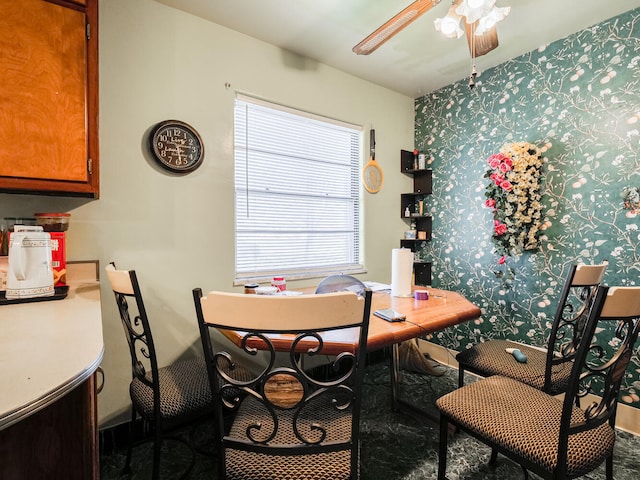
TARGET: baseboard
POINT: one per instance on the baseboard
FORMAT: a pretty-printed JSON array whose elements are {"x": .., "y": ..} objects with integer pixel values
[{"x": 627, "y": 418}]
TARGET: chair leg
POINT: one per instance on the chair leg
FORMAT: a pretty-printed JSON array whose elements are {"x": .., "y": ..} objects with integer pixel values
[
  {"x": 127, "y": 465},
  {"x": 442, "y": 450},
  {"x": 494, "y": 458},
  {"x": 609, "y": 467},
  {"x": 157, "y": 446},
  {"x": 460, "y": 376}
]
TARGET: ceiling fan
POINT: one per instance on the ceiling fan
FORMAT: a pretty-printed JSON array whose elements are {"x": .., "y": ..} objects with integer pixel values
[{"x": 481, "y": 38}]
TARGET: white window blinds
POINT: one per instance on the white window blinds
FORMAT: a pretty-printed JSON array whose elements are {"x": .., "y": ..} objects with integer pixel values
[{"x": 297, "y": 192}]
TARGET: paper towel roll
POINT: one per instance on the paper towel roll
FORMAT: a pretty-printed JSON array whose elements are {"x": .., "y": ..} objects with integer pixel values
[{"x": 401, "y": 270}]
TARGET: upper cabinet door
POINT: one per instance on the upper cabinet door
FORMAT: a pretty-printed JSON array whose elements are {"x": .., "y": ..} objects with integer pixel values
[{"x": 49, "y": 97}]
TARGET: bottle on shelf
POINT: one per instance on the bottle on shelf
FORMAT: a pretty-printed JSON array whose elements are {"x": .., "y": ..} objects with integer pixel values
[{"x": 422, "y": 161}]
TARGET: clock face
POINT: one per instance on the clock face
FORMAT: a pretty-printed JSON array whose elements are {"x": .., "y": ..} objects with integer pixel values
[{"x": 176, "y": 146}]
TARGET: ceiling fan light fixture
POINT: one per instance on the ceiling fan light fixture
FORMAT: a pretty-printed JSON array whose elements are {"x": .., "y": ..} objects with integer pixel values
[
  {"x": 496, "y": 15},
  {"x": 474, "y": 10},
  {"x": 449, "y": 25}
]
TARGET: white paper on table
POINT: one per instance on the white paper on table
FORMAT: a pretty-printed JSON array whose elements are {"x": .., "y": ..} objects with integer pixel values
[{"x": 377, "y": 287}]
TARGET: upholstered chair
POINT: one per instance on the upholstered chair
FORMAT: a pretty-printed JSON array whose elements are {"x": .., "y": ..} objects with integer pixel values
[
  {"x": 546, "y": 369},
  {"x": 287, "y": 422},
  {"x": 545, "y": 434}
]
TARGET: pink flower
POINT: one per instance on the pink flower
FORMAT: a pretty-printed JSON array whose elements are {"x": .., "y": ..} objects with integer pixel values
[
  {"x": 505, "y": 167},
  {"x": 506, "y": 185},
  {"x": 499, "y": 161},
  {"x": 497, "y": 178},
  {"x": 491, "y": 203},
  {"x": 494, "y": 161},
  {"x": 502, "y": 259},
  {"x": 500, "y": 228}
]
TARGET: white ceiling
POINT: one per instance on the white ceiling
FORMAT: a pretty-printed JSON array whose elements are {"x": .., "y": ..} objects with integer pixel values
[{"x": 418, "y": 59}]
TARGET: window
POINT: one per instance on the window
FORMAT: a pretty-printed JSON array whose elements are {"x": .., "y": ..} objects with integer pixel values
[{"x": 297, "y": 193}]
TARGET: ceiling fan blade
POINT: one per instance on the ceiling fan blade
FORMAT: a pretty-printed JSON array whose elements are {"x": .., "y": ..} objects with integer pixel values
[
  {"x": 393, "y": 26},
  {"x": 480, "y": 44}
]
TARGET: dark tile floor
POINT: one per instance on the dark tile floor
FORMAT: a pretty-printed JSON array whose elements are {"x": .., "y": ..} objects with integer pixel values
[{"x": 394, "y": 446}]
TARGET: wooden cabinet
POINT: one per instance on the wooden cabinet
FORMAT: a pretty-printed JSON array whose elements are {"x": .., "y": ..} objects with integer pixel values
[
  {"x": 49, "y": 97},
  {"x": 58, "y": 442},
  {"x": 51, "y": 352},
  {"x": 413, "y": 210}
]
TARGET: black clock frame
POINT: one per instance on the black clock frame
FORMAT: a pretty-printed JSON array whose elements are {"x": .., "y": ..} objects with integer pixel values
[{"x": 186, "y": 131}]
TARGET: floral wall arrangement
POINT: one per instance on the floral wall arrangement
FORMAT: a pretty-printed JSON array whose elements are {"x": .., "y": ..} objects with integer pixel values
[
  {"x": 514, "y": 195},
  {"x": 575, "y": 104}
]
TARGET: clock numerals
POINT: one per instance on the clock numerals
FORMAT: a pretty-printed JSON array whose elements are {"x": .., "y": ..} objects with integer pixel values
[{"x": 177, "y": 146}]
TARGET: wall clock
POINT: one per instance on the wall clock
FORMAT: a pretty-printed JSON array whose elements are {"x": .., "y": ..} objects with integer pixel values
[{"x": 176, "y": 146}]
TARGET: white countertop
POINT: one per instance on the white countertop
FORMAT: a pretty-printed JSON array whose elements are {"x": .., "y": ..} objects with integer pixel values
[{"x": 47, "y": 349}]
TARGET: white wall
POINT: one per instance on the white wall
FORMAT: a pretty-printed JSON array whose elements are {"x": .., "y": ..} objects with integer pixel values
[{"x": 157, "y": 63}]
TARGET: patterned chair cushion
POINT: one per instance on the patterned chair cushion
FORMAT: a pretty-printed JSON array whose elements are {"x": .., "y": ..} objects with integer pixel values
[
  {"x": 243, "y": 465},
  {"x": 490, "y": 358},
  {"x": 184, "y": 390},
  {"x": 526, "y": 421}
]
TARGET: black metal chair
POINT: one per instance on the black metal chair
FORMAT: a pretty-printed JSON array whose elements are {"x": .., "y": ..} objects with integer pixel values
[
  {"x": 548, "y": 370},
  {"x": 287, "y": 423},
  {"x": 549, "y": 436},
  {"x": 164, "y": 397}
]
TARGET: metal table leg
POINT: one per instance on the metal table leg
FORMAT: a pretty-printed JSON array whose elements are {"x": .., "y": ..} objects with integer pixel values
[{"x": 399, "y": 404}]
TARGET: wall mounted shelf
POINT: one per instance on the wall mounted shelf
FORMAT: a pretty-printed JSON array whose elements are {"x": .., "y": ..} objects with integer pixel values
[{"x": 412, "y": 210}]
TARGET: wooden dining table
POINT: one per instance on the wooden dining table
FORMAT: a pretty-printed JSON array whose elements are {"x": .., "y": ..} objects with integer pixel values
[{"x": 442, "y": 309}]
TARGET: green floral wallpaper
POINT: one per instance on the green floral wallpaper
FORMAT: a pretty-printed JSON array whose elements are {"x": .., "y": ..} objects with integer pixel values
[{"x": 578, "y": 101}]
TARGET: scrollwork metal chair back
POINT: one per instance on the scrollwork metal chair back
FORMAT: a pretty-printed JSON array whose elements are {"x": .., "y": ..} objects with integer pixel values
[
  {"x": 290, "y": 421},
  {"x": 602, "y": 370},
  {"x": 552, "y": 437},
  {"x": 571, "y": 316},
  {"x": 137, "y": 330},
  {"x": 164, "y": 397},
  {"x": 547, "y": 370}
]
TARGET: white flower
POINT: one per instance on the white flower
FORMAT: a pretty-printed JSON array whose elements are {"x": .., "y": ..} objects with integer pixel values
[
  {"x": 515, "y": 190},
  {"x": 616, "y": 252}
]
